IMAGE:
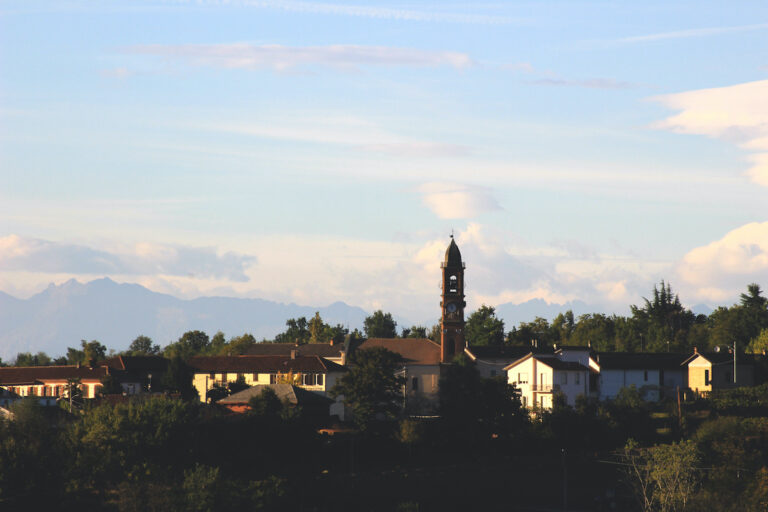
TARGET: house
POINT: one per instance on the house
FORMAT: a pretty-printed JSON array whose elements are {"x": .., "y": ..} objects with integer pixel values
[
  {"x": 136, "y": 373},
  {"x": 490, "y": 360},
  {"x": 585, "y": 356},
  {"x": 311, "y": 373},
  {"x": 420, "y": 358},
  {"x": 335, "y": 352},
  {"x": 539, "y": 376},
  {"x": 715, "y": 370},
  {"x": 655, "y": 375},
  {"x": 50, "y": 382},
  {"x": 313, "y": 405}
]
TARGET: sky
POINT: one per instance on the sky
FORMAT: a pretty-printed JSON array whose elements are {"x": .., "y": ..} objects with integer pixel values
[{"x": 314, "y": 152}]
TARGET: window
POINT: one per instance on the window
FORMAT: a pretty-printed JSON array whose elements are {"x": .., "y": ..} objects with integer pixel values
[
  {"x": 319, "y": 379},
  {"x": 493, "y": 373},
  {"x": 309, "y": 379},
  {"x": 415, "y": 384},
  {"x": 522, "y": 378},
  {"x": 453, "y": 284},
  {"x": 578, "y": 377},
  {"x": 255, "y": 377},
  {"x": 565, "y": 378},
  {"x": 212, "y": 376},
  {"x": 273, "y": 378},
  {"x": 645, "y": 375},
  {"x": 706, "y": 377},
  {"x": 525, "y": 401}
]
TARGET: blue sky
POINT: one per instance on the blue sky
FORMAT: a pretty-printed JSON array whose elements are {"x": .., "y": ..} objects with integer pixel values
[{"x": 314, "y": 152}]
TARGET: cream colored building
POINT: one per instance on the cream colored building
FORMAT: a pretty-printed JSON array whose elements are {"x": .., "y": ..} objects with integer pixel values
[
  {"x": 711, "y": 371},
  {"x": 49, "y": 383},
  {"x": 311, "y": 373}
]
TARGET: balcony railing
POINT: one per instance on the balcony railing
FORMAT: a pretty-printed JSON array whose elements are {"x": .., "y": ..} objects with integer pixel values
[{"x": 544, "y": 388}]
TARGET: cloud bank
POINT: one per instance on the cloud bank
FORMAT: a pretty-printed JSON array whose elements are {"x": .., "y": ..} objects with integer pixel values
[
  {"x": 720, "y": 269},
  {"x": 42, "y": 256},
  {"x": 457, "y": 201}
]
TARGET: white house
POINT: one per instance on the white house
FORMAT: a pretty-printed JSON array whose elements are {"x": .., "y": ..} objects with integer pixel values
[
  {"x": 654, "y": 374},
  {"x": 540, "y": 376}
]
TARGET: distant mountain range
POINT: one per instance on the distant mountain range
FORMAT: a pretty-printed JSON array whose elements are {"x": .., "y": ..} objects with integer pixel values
[{"x": 62, "y": 315}]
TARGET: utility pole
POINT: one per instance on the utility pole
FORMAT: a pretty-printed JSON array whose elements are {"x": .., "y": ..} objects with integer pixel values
[{"x": 734, "y": 362}]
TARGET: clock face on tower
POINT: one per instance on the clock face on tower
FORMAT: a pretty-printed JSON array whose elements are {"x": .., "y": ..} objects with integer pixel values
[{"x": 451, "y": 307}]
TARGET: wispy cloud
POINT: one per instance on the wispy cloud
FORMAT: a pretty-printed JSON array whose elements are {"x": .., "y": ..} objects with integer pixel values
[
  {"x": 35, "y": 255},
  {"x": 550, "y": 78},
  {"x": 364, "y": 11},
  {"x": 591, "y": 83},
  {"x": 283, "y": 58},
  {"x": 695, "y": 32}
]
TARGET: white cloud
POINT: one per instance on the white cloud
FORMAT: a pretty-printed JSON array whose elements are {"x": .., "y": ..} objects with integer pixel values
[
  {"x": 737, "y": 114},
  {"x": 457, "y": 201},
  {"x": 42, "y": 256},
  {"x": 721, "y": 268},
  {"x": 282, "y": 58}
]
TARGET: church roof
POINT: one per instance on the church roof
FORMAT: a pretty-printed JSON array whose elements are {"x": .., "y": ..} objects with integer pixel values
[
  {"x": 411, "y": 350},
  {"x": 452, "y": 255}
]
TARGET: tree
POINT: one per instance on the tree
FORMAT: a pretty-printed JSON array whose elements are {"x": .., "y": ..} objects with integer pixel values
[
  {"x": 179, "y": 377},
  {"x": 29, "y": 359},
  {"x": 380, "y": 325},
  {"x": 143, "y": 346},
  {"x": 371, "y": 387},
  {"x": 664, "y": 319},
  {"x": 89, "y": 353},
  {"x": 296, "y": 332},
  {"x": 191, "y": 343},
  {"x": 240, "y": 344},
  {"x": 266, "y": 403},
  {"x": 316, "y": 328},
  {"x": 417, "y": 331},
  {"x": 483, "y": 328},
  {"x": 663, "y": 477}
]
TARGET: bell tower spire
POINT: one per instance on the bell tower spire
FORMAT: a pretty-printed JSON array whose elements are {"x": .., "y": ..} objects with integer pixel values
[{"x": 452, "y": 340}]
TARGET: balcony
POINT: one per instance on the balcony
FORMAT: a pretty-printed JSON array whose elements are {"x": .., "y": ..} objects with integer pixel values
[{"x": 544, "y": 388}]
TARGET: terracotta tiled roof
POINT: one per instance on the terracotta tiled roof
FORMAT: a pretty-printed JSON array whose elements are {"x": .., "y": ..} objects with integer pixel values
[
  {"x": 264, "y": 364},
  {"x": 308, "y": 349},
  {"x": 19, "y": 376},
  {"x": 412, "y": 350}
]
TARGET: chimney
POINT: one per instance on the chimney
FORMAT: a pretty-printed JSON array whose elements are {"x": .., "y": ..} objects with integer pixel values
[
  {"x": 695, "y": 350},
  {"x": 331, "y": 342},
  {"x": 294, "y": 353},
  {"x": 107, "y": 369},
  {"x": 78, "y": 364}
]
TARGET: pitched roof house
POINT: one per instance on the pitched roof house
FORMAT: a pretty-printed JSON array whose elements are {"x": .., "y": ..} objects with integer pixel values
[
  {"x": 655, "y": 375},
  {"x": 538, "y": 376},
  {"x": 49, "y": 382},
  {"x": 715, "y": 370}
]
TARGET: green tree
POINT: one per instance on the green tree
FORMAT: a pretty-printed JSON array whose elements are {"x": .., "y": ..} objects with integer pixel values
[
  {"x": 218, "y": 343},
  {"x": 596, "y": 330},
  {"x": 483, "y": 328},
  {"x": 29, "y": 359},
  {"x": 371, "y": 387},
  {"x": 666, "y": 322},
  {"x": 759, "y": 344},
  {"x": 143, "y": 346},
  {"x": 297, "y": 331},
  {"x": 380, "y": 325},
  {"x": 191, "y": 343},
  {"x": 89, "y": 353},
  {"x": 266, "y": 403},
  {"x": 178, "y": 378},
  {"x": 316, "y": 328},
  {"x": 240, "y": 344},
  {"x": 416, "y": 331}
]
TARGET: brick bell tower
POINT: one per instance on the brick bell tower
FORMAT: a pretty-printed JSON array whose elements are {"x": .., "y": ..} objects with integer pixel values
[{"x": 452, "y": 340}]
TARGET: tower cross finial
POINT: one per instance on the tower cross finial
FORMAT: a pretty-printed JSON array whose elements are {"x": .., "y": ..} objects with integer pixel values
[{"x": 451, "y": 232}]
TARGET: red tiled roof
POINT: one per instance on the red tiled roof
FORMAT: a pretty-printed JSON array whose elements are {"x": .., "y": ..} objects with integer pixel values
[
  {"x": 263, "y": 364},
  {"x": 307, "y": 349},
  {"x": 412, "y": 350},
  {"x": 136, "y": 363},
  {"x": 23, "y": 375}
]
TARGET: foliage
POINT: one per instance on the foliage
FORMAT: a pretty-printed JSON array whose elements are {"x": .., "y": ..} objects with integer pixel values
[
  {"x": 191, "y": 343},
  {"x": 370, "y": 387},
  {"x": 143, "y": 346},
  {"x": 663, "y": 477},
  {"x": 265, "y": 403},
  {"x": 301, "y": 331},
  {"x": 483, "y": 328},
  {"x": 178, "y": 378},
  {"x": 29, "y": 359},
  {"x": 89, "y": 353},
  {"x": 415, "y": 331},
  {"x": 380, "y": 325}
]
